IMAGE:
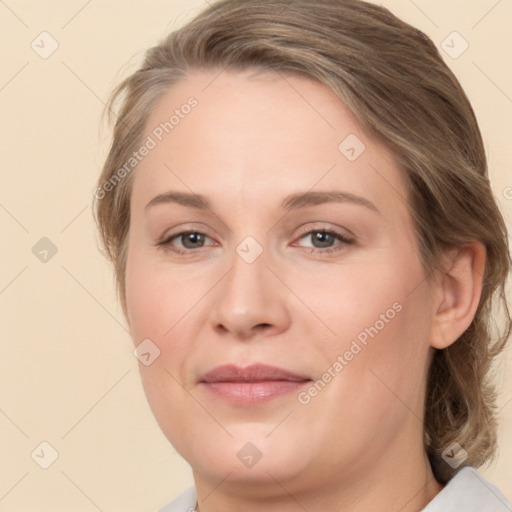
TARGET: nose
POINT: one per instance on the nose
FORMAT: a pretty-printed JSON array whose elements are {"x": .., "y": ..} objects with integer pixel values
[{"x": 250, "y": 300}]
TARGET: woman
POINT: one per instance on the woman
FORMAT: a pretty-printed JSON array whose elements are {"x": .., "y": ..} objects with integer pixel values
[{"x": 306, "y": 245}]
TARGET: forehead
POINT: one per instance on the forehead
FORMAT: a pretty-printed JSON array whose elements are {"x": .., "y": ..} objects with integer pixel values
[
  {"x": 259, "y": 132},
  {"x": 241, "y": 103}
]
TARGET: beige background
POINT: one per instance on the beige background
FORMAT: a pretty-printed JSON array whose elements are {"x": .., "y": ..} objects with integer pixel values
[{"x": 67, "y": 372}]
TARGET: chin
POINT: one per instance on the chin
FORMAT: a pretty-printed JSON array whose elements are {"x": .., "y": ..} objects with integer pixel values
[{"x": 249, "y": 455}]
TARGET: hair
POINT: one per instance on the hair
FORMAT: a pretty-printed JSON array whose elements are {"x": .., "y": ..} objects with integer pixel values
[{"x": 393, "y": 78}]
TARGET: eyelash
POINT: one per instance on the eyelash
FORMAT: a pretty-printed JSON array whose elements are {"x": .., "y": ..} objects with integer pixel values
[{"x": 166, "y": 243}]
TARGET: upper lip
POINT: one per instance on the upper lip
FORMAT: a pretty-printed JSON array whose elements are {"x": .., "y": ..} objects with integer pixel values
[{"x": 253, "y": 373}]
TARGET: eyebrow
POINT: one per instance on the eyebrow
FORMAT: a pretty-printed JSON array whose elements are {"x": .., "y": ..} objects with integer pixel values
[{"x": 291, "y": 202}]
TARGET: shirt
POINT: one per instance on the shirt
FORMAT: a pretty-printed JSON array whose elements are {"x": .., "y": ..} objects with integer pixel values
[{"x": 466, "y": 491}]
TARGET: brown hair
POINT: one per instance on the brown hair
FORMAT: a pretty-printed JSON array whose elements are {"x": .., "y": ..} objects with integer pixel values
[{"x": 394, "y": 80}]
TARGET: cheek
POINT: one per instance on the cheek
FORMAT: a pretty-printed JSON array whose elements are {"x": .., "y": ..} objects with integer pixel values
[
  {"x": 379, "y": 379},
  {"x": 388, "y": 372},
  {"x": 157, "y": 309},
  {"x": 364, "y": 302},
  {"x": 157, "y": 296},
  {"x": 380, "y": 320},
  {"x": 162, "y": 306}
]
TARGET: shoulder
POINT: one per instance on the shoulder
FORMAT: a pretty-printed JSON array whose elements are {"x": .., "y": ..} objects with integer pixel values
[
  {"x": 184, "y": 502},
  {"x": 468, "y": 490}
]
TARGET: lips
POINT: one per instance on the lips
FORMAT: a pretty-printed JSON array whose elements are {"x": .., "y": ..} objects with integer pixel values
[
  {"x": 251, "y": 385},
  {"x": 253, "y": 373}
]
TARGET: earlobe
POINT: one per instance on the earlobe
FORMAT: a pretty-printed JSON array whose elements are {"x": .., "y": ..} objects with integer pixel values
[{"x": 459, "y": 292}]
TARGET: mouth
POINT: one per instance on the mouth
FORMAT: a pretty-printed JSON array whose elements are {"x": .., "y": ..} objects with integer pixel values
[{"x": 251, "y": 385}]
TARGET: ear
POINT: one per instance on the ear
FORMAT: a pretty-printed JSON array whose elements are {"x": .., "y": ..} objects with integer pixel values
[
  {"x": 126, "y": 313},
  {"x": 458, "y": 294}
]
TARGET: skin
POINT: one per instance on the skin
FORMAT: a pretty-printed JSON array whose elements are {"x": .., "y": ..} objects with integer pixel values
[{"x": 358, "y": 444}]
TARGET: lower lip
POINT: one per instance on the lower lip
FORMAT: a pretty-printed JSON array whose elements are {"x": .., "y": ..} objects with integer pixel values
[{"x": 253, "y": 393}]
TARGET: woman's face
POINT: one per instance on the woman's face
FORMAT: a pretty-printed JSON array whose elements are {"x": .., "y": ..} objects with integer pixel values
[{"x": 258, "y": 282}]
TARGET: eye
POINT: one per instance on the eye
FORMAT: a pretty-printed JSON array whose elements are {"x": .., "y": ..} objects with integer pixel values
[
  {"x": 322, "y": 240},
  {"x": 190, "y": 240}
]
